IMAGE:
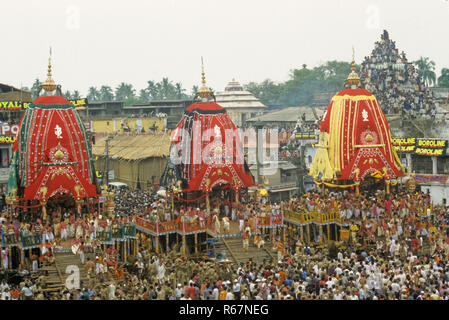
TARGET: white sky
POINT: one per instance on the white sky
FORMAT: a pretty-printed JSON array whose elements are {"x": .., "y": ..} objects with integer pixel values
[{"x": 97, "y": 42}]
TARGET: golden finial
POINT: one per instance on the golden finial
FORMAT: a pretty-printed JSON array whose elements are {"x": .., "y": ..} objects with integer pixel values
[
  {"x": 204, "y": 92},
  {"x": 353, "y": 78},
  {"x": 49, "y": 85},
  {"x": 203, "y": 75}
]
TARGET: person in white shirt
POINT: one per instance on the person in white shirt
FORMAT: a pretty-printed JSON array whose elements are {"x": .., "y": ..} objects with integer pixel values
[
  {"x": 178, "y": 292},
  {"x": 111, "y": 291},
  {"x": 229, "y": 295},
  {"x": 338, "y": 270},
  {"x": 215, "y": 293},
  {"x": 340, "y": 256}
]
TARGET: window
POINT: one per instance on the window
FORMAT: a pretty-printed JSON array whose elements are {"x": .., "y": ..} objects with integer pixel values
[{"x": 422, "y": 164}]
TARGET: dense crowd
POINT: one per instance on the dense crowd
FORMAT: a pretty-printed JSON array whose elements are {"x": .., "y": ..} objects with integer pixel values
[
  {"x": 398, "y": 251},
  {"x": 395, "y": 81}
]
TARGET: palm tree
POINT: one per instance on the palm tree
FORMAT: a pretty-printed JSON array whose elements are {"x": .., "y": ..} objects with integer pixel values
[
  {"x": 443, "y": 80},
  {"x": 179, "y": 90},
  {"x": 124, "y": 91},
  {"x": 144, "y": 96},
  {"x": 426, "y": 70},
  {"x": 194, "y": 90},
  {"x": 67, "y": 95},
  {"x": 94, "y": 94},
  {"x": 152, "y": 90},
  {"x": 76, "y": 95},
  {"x": 106, "y": 93},
  {"x": 166, "y": 87}
]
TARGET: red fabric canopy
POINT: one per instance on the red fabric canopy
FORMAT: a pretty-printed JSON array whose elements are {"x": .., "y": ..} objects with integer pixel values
[
  {"x": 359, "y": 140},
  {"x": 209, "y": 149},
  {"x": 54, "y": 153}
]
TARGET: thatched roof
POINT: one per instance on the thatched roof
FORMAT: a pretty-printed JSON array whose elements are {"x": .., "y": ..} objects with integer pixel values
[{"x": 134, "y": 147}]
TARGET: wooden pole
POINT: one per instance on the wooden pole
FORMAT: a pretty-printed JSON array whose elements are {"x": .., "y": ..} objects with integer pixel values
[
  {"x": 167, "y": 239},
  {"x": 328, "y": 232},
  {"x": 284, "y": 235},
  {"x": 157, "y": 244},
  {"x": 10, "y": 258},
  {"x": 207, "y": 202},
  {"x": 196, "y": 243},
  {"x": 125, "y": 249},
  {"x": 184, "y": 244}
]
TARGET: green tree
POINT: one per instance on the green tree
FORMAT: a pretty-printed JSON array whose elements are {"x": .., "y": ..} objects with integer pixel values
[
  {"x": 179, "y": 90},
  {"x": 168, "y": 90},
  {"x": 106, "y": 93},
  {"x": 144, "y": 96},
  {"x": 35, "y": 88},
  {"x": 426, "y": 70},
  {"x": 68, "y": 95},
  {"x": 153, "y": 90},
  {"x": 267, "y": 91},
  {"x": 194, "y": 90},
  {"x": 76, "y": 95},
  {"x": 443, "y": 80},
  {"x": 93, "y": 94},
  {"x": 124, "y": 91},
  {"x": 303, "y": 84}
]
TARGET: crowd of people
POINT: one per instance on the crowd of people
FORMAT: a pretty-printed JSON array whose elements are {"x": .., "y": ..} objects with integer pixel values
[
  {"x": 398, "y": 251},
  {"x": 395, "y": 82}
]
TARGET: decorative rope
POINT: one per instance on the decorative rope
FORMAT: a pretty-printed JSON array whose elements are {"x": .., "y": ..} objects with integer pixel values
[
  {"x": 186, "y": 200},
  {"x": 24, "y": 207},
  {"x": 337, "y": 185}
]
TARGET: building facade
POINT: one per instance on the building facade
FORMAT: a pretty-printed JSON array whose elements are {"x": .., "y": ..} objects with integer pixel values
[{"x": 239, "y": 103}]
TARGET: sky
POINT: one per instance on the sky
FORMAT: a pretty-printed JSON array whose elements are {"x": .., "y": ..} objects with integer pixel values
[{"x": 106, "y": 42}]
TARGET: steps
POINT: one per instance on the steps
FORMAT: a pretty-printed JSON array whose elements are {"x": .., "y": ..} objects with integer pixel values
[
  {"x": 235, "y": 252},
  {"x": 64, "y": 260}
]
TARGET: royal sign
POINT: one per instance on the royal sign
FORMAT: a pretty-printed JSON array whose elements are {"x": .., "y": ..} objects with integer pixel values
[
  {"x": 13, "y": 105},
  {"x": 19, "y": 105}
]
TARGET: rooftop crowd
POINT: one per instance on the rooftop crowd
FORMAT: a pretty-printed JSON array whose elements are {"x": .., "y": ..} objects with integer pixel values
[{"x": 395, "y": 81}]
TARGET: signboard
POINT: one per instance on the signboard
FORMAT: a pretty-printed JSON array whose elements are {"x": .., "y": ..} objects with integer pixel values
[
  {"x": 79, "y": 102},
  {"x": 8, "y": 133},
  {"x": 305, "y": 135},
  {"x": 7, "y": 139},
  {"x": 111, "y": 175},
  {"x": 7, "y": 130},
  {"x": 15, "y": 105},
  {"x": 431, "y": 147},
  {"x": 429, "y": 178},
  {"x": 405, "y": 145},
  {"x": 420, "y": 146}
]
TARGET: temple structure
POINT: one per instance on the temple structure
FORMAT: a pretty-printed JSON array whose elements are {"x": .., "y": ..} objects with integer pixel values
[
  {"x": 239, "y": 103},
  {"x": 354, "y": 141},
  {"x": 205, "y": 149},
  {"x": 52, "y": 152}
]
